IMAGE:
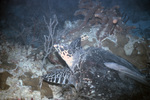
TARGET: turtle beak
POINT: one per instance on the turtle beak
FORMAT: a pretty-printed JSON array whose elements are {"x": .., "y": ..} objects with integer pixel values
[{"x": 55, "y": 45}]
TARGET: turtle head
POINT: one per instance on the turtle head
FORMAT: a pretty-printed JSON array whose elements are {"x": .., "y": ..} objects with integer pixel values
[
  {"x": 65, "y": 53},
  {"x": 70, "y": 53}
]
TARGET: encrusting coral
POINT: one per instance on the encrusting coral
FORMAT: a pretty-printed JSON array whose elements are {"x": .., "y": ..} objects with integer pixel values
[{"x": 110, "y": 19}]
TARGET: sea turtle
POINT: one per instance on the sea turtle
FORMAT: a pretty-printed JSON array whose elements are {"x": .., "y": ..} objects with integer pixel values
[{"x": 97, "y": 74}]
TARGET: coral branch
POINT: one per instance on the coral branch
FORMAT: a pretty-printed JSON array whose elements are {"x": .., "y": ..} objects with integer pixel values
[{"x": 49, "y": 39}]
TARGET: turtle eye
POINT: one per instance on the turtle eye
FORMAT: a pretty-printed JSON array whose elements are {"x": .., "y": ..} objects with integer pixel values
[{"x": 69, "y": 51}]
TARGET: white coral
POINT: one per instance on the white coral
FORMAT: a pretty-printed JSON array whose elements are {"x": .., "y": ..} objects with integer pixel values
[{"x": 129, "y": 47}]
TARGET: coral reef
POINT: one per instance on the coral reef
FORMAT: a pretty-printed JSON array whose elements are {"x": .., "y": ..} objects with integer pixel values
[
  {"x": 110, "y": 19},
  {"x": 20, "y": 66},
  {"x": 124, "y": 45},
  {"x": 20, "y": 73}
]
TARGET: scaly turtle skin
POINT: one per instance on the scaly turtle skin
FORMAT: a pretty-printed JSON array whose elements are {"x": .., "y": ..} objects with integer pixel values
[{"x": 97, "y": 74}]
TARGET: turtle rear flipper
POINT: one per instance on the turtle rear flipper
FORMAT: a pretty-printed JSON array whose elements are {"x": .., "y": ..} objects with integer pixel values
[{"x": 60, "y": 76}]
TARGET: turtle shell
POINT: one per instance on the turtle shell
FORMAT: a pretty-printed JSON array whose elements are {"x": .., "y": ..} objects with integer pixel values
[
  {"x": 99, "y": 81},
  {"x": 99, "y": 74}
]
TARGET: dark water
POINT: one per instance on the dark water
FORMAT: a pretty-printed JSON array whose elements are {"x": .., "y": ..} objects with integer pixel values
[{"x": 17, "y": 15}]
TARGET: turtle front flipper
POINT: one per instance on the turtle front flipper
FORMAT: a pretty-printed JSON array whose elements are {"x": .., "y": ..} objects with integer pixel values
[
  {"x": 126, "y": 71},
  {"x": 60, "y": 76}
]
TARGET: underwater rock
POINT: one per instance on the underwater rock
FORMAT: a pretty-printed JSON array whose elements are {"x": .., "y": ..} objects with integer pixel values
[
  {"x": 98, "y": 74},
  {"x": 3, "y": 78},
  {"x": 17, "y": 62},
  {"x": 34, "y": 83}
]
